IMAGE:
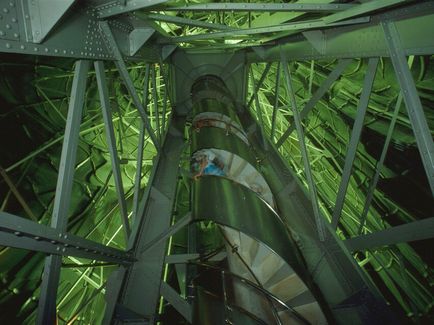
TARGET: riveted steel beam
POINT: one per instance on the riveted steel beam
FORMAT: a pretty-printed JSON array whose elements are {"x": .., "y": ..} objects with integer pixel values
[
  {"x": 414, "y": 22},
  {"x": 236, "y": 34},
  {"x": 265, "y": 7},
  {"x": 59, "y": 220},
  {"x": 25, "y": 234},
  {"x": 117, "y": 7},
  {"x": 363, "y": 8}
]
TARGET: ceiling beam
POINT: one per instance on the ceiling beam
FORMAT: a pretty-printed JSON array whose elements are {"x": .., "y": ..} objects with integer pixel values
[{"x": 266, "y": 7}]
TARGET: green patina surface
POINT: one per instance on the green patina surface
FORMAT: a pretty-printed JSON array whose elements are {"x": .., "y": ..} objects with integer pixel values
[{"x": 33, "y": 106}]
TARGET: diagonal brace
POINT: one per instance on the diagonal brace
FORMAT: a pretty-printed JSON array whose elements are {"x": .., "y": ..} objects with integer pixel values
[
  {"x": 111, "y": 143},
  {"x": 355, "y": 137},
  {"x": 122, "y": 68},
  {"x": 325, "y": 86}
]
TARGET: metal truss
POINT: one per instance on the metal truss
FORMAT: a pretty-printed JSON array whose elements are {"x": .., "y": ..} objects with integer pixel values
[{"x": 109, "y": 32}]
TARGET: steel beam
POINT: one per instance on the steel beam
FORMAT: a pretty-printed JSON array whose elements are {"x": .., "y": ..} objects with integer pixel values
[
  {"x": 17, "y": 194},
  {"x": 363, "y": 8},
  {"x": 155, "y": 101},
  {"x": 264, "y": 7},
  {"x": 417, "y": 230},
  {"x": 180, "y": 304},
  {"x": 259, "y": 84},
  {"x": 276, "y": 102},
  {"x": 319, "y": 93},
  {"x": 168, "y": 232},
  {"x": 122, "y": 68},
  {"x": 236, "y": 34},
  {"x": 25, "y": 234},
  {"x": 412, "y": 101},
  {"x": 117, "y": 7},
  {"x": 44, "y": 15},
  {"x": 414, "y": 22},
  {"x": 189, "y": 22},
  {"x": 139, "y": 167},
  {"x": 140, "y": 288},
  {"x": 111, "y": 144},
  {"x": 186, "y": 258},
  {"x": 59, "y": 220},
  {"x": 354, "y": 140},
  {"x": 379, "y": 166},
  {"x": 258, "y": 106},
  {"x": 319, "y": 221}
]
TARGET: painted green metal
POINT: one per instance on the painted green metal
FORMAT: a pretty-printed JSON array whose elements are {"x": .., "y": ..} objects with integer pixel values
[{"x": 38, "y": 119}]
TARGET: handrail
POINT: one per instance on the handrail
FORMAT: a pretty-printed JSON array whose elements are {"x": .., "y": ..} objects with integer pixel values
[
  {"x": 239, "y": 308},
  {"x": 275, "y": 313},
  {"x": 255, "y": 286}
]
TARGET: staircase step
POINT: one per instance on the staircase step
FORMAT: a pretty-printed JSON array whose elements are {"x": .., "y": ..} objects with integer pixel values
[
  {"x": 283, "y": 272},
  {"x": 288, "y": 288}
]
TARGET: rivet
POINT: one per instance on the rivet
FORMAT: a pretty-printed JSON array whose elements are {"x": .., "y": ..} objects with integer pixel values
[
  {"x": 46, "y": 50},
  {"x": 8, "y": 26},
  {"x": 22, "y": 47},
  {"x": 11, "y": 4},
  {"x": 5, "y": 10},
  {"x": 56, "y": 50},
  {"x": 16, "y": 35},
  {"x": 14, "y": 20},
  {"x": 35, "y": 49},
  {"x": 8, "y": 45},
  {"x": 1, "y": 33}
]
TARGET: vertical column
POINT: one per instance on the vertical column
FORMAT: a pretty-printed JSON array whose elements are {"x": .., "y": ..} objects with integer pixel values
[{"x": 50, "y": 277}]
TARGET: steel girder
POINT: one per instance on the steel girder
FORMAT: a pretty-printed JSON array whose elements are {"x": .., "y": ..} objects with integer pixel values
[{"x": 73, "y": 31}]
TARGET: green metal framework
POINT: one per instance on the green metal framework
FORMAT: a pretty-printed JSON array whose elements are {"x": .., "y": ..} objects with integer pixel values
[{"x": 335, "y": 113}]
